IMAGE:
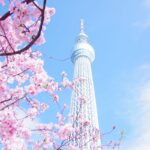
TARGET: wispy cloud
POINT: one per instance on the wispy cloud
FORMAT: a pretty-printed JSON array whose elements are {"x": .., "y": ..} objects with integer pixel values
[
  {"x": 145, "y": 24},
  {"x": 139, "y": 117},
  {"x": 147, "y": 2}
]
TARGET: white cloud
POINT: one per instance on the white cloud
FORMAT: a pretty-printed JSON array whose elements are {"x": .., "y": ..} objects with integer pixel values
[
  {"x": 145, "y": 24},
  {"x": 28, "y": 123},
  {"x": 147, "y": 2},
  {"x": 139, "y": 117},
  {"x": 145, "y": 12}
]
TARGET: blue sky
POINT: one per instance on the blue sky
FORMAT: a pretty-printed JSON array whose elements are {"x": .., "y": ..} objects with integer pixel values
[{"x": 119, "y": 31}]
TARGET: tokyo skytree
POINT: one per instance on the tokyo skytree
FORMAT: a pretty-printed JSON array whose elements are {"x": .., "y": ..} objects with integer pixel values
[{"x": 83, "y": 101}]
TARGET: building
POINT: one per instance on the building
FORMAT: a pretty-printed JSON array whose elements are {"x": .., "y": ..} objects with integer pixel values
[{"x": 83, "y": 101}]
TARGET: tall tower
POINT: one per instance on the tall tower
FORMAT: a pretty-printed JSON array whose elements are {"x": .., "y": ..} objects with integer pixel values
[{"x": 83, "y": 102}]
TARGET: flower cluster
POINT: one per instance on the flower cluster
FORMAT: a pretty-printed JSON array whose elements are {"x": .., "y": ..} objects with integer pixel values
[{"x": 23, "y": 78}]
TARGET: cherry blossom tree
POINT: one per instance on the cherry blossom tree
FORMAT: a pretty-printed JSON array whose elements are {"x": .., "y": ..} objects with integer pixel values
[{"x": 23, "y": 78}]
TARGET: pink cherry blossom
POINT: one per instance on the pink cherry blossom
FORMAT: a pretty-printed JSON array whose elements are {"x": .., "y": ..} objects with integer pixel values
[
  {"x": 31, "y": 89},
  {"x": 32, "y": 112},
  {"x": 72, "y": 147},
  {"x": 55, "y": 97},
  {"x": 44, "y": 106},
  {"x": 65, "y": 131},
  {"x": 23, "y": 78}
]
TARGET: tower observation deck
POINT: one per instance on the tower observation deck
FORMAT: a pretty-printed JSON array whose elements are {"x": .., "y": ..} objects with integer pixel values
[{"x": 83, "y": 101}]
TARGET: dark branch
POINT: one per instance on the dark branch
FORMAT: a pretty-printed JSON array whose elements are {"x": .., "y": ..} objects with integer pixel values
[
  {"x": 12, "y": 103},
  {"x": 34, "y": 39},
  {"x": 7, "y": 14}
]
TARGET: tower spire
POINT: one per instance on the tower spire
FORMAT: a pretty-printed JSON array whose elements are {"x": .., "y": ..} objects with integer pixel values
[
  {"x": 81, "y": 26},
  {"x": 83, "y": 101}
]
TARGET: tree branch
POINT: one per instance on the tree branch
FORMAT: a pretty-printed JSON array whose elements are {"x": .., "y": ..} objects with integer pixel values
[
  {"x": 34, "y": 39},
  {"x": 7, "y": 14}
]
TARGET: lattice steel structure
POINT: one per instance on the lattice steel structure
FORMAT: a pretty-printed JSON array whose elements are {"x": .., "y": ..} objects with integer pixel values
[{"x": 83, "y": 101}]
